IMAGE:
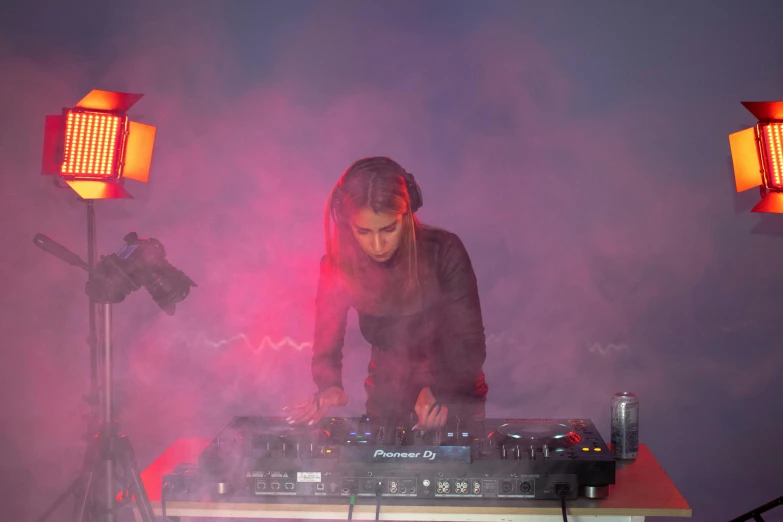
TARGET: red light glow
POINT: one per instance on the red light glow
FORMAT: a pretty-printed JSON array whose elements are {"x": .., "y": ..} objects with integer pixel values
[
  {"x": 772, "y": 136},
  {"x": 93, "y": 147},
  {"x": 91, "y": 144}
]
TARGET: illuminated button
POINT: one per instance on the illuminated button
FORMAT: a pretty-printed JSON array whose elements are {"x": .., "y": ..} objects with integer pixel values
[
  {"x": 596, "y": 449},
  {"x": 585, "y": 449}
]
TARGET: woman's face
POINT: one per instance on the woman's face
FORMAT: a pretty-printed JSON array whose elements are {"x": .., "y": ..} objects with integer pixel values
[{"x": 378, "y": 234}]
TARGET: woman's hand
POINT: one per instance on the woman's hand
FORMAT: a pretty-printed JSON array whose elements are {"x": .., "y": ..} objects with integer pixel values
[
  {"x": 431, "y": 414},
  {"x": 313, "y": 410}
]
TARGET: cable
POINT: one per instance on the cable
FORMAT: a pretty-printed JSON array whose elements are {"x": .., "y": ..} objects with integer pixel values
[
  {"x": 350, "y": 507},
  {"x": 563, "y": 506},
  {"x": 562, "y": 492},
  {"x": 378, "y": 491}
]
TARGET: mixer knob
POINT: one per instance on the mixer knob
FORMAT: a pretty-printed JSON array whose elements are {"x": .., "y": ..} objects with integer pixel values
[
  {"x": 437, "y": 437},
  {"x": 546, "y": 451},
  {"x": 381, "y": 435},
  {"x": 503, "y": 454},
  {"x": 532, "y": 453},
  {"x": 268, "y": 449},
  {"x": 517, "y": 453},
  {"x": 418, "y": 437},
  {"x": 285, "y": 448},
  {"x": 399, "y": 435},
  {"x": 311, "y": 450}
]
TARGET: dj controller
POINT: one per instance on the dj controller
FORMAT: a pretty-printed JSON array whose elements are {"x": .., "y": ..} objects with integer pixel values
[{"x": 264, "y": 459}]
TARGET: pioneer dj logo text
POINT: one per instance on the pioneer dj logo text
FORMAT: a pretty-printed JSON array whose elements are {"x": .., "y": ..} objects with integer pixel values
[{"x": 427, "y": 455}]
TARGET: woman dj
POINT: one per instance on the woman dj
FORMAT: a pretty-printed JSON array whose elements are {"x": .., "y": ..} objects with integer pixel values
[{"x": 415, "y": 292}]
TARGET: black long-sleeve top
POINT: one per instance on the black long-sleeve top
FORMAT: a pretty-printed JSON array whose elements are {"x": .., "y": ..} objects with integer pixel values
[{"x": 433, "y": 338}]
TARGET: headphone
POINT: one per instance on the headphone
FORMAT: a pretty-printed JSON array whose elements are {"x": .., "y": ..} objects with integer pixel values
[{"x": 414, "y": 191}]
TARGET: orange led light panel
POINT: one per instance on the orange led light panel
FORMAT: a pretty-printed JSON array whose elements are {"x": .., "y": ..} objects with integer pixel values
[
  {"x": 94, "y": 146},
  {"x": 91, "y": 145},
  {"x": 772, "y": 139}
]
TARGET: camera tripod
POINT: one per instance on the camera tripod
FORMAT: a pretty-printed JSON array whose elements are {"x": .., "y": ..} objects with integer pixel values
[{"x": 109, "y": 453}]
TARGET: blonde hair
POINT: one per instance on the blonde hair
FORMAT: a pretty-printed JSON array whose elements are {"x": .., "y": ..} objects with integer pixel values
[{"x": 377, "y": 183}]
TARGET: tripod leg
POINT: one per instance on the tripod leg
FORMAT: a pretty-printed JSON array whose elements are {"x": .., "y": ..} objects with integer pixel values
[
  {"x": 96, "y": 451},
  {"x": 127, "y": 459},
  {"x": 68, "y": 492}
]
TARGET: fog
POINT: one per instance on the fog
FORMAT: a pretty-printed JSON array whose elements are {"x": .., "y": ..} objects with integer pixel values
[{"x": 579, "y": 151}]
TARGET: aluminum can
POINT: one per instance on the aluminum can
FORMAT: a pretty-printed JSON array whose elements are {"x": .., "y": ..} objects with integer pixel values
[{"x": 625, "y": 425}]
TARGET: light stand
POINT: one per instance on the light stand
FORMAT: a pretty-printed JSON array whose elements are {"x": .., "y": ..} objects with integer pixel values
[
  {"x": 93, "y": 398},
  {"x": 95, "y": 499},
  {"x": 755, "y": 514},
  {"x": 110, "y": 449},
  {"x": 94, "y": 147}
]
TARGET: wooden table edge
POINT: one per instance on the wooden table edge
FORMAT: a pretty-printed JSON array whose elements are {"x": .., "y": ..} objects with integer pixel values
[{"x": 175, "y": 508}]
